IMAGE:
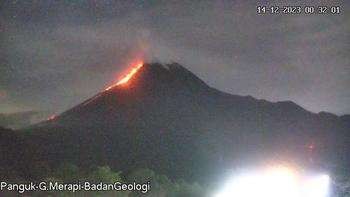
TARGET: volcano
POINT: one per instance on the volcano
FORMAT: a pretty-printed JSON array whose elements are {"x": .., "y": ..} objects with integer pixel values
[{"x": 163, "y": 117}]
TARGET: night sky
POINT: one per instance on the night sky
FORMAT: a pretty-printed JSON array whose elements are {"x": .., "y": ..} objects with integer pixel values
[{"x": 55, "y": 54}]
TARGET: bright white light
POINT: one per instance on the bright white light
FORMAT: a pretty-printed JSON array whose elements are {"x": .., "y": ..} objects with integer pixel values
[
  {"x": 276, "y": 182},
  {"x": 317, "y": 186}
]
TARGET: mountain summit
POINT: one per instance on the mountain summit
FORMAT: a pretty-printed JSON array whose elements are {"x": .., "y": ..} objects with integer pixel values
[
  {"x": 155, "y": 73},
  {"x": 144, "y": 83},
  {"x": 164, "y": 117}
]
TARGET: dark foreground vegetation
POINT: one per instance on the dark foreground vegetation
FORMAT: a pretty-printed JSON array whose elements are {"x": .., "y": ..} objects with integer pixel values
[{"x": 160, "y": 185}]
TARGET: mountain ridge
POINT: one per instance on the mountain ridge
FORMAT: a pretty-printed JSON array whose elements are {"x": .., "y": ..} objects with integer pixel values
[
  {"x": 175, "y": 70},
  {"x": 168, "y": 119}
]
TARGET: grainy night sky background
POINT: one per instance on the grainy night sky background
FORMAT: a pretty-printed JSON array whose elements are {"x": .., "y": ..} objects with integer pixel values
[{"x": 55, "y": 54}]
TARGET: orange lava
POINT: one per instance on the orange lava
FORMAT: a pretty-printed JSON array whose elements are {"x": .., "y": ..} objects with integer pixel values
[{"x": 127, "y": 77}]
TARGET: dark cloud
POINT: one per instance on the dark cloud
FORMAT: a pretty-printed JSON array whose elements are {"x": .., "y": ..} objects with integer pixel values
[{"x": 55, "y": 54}]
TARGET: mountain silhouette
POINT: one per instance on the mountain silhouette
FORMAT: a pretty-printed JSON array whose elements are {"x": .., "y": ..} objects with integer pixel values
[{"x": 166, "y": 118}]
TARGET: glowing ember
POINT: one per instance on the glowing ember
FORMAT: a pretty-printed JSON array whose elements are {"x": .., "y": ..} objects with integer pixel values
[
  {"x": 311, "y": 146},
  {"x": 127, "y": 77},
  {"x": 52, "y": 117}
]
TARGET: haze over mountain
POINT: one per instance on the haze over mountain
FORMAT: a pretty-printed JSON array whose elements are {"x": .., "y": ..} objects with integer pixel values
[
  {"x": 166, "y": 118},
  {"x": 54, "y": 54}
]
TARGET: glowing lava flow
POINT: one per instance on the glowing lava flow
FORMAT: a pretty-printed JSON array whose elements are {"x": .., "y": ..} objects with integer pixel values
[
  {"x": 127, "y": 77},
  {"x": 52, "y": 117}
]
